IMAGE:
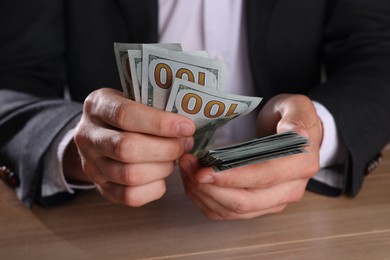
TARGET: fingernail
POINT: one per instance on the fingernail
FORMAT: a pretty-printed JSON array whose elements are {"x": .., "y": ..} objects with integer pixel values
[
  {"x": 184, "y": 129},
  {"x": 287, "y": 126},
  {"x": 189, "y": 143},
  {"x": 206, "y": 179}
]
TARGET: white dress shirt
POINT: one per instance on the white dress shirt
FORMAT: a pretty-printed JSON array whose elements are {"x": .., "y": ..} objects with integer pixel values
[{"x": 216, "y": 26}]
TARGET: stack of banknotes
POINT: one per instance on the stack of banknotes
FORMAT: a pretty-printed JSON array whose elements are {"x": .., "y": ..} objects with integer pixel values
[
  {"x": 255, "y": 151},
  {"x": 191, "y": 84}
]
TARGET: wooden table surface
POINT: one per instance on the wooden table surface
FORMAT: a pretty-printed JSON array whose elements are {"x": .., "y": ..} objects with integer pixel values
[{"x": 89, "y": 227}]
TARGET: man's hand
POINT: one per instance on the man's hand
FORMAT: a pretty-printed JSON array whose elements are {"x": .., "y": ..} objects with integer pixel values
[
  {"x": 263, "y": 188},
  {"x": 128, "y": 149}
]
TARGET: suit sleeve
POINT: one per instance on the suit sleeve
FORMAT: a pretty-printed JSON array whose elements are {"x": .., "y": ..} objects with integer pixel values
[
  {"x": 32, "y": 108},
  {"x": 357, "y": 89}
]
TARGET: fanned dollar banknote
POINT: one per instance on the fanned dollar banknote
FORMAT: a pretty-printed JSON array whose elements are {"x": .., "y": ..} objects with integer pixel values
[
  {"x": 191, "y": 84},
  {"x": 128, "y": 75},
  {"x": 208, "y": 108},
  {"x": 162, "y": 66}
]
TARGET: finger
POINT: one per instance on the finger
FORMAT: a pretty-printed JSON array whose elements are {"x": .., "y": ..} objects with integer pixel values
[
  {"x": 290, "y": 112},
  {"x": 216, "y": 211},
  {"x": 90, "y": 168},
  {"x": 116, "y": 110},
  {"x": 134, "y": 147},
  {"x": 192, "y": 194},
  {"x": 213, "y": 208},
  {"x": 287, "y": 115},
  {"x": 302, "y": 119},
  {"x": 190, "y": 164},
  {"x": 133, "y": 196},
  {"x": 133, "y": 174},
  {"x": 244, "y": 201},
  {"x": 188, "y": 176}
]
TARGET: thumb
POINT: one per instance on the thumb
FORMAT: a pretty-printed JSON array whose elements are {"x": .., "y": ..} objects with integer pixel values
[
  {"x": 287, "y": 112},
  {"x": 299, "y": 114}
]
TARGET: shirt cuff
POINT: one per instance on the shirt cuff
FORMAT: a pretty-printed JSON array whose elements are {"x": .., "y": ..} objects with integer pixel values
[
  {"x": 332, "y": 151},
  {"x": 53, "y": 180}
]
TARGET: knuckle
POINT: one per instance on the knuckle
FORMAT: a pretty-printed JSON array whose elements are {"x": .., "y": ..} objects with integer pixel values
[
  {"x": 134, "y": 198},
  {"x": 89, "y": 102},
  {"x": 93, "y": 171},
  {"x": 224, "y": 181},
  {"x": 163, "y": 124},
  {"x": 158, "y": 124},
  {"x": 300, "y": 99},
  {"x": 176, "y": 149},
  {"x": 84, "y": 135},
  {"x": 120, "y": 146},
  {"x": 81, "y": 135},
  {"x": 118, "y": 113},
  {"x": 266, "y": 181},
  {"x": 242, "y": 207},
  {"x": 228, "y": 179},
  {"x": 101, "y": 105},
  {"x": 131, "y": 176}
]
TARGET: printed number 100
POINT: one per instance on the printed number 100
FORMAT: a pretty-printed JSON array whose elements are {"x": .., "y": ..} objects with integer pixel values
[
  {"x": 165, "y": 68},
  {"x": 212, "y": 108}
]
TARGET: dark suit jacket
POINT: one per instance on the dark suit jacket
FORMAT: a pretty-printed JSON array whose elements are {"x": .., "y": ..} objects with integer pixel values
[{"x": 48, "y": 44}]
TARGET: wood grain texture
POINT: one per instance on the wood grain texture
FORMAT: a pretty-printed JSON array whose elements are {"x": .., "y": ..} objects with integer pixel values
[{"x": 317, "y": 227}]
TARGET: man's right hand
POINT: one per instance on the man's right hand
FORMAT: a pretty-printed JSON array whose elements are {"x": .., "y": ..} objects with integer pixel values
[{"x": 128, "y": 149}]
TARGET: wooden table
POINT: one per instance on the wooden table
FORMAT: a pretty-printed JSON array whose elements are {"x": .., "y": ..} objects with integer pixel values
[{"x": 317, "y": 227}]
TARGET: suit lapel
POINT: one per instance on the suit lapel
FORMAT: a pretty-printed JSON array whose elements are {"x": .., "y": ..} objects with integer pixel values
[{"x": 258, "y": 16}]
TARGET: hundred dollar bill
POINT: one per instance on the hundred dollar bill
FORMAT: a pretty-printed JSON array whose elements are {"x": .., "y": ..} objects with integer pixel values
[
  {"x": 208, "y": 108},
  {"x": 135, "y": 61},
  {"x": 123, "y": 64},
  {"x": 161, "y": 66}
]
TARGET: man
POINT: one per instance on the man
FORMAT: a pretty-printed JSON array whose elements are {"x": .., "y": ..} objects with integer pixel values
[{"x": 127, "y": 149}]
